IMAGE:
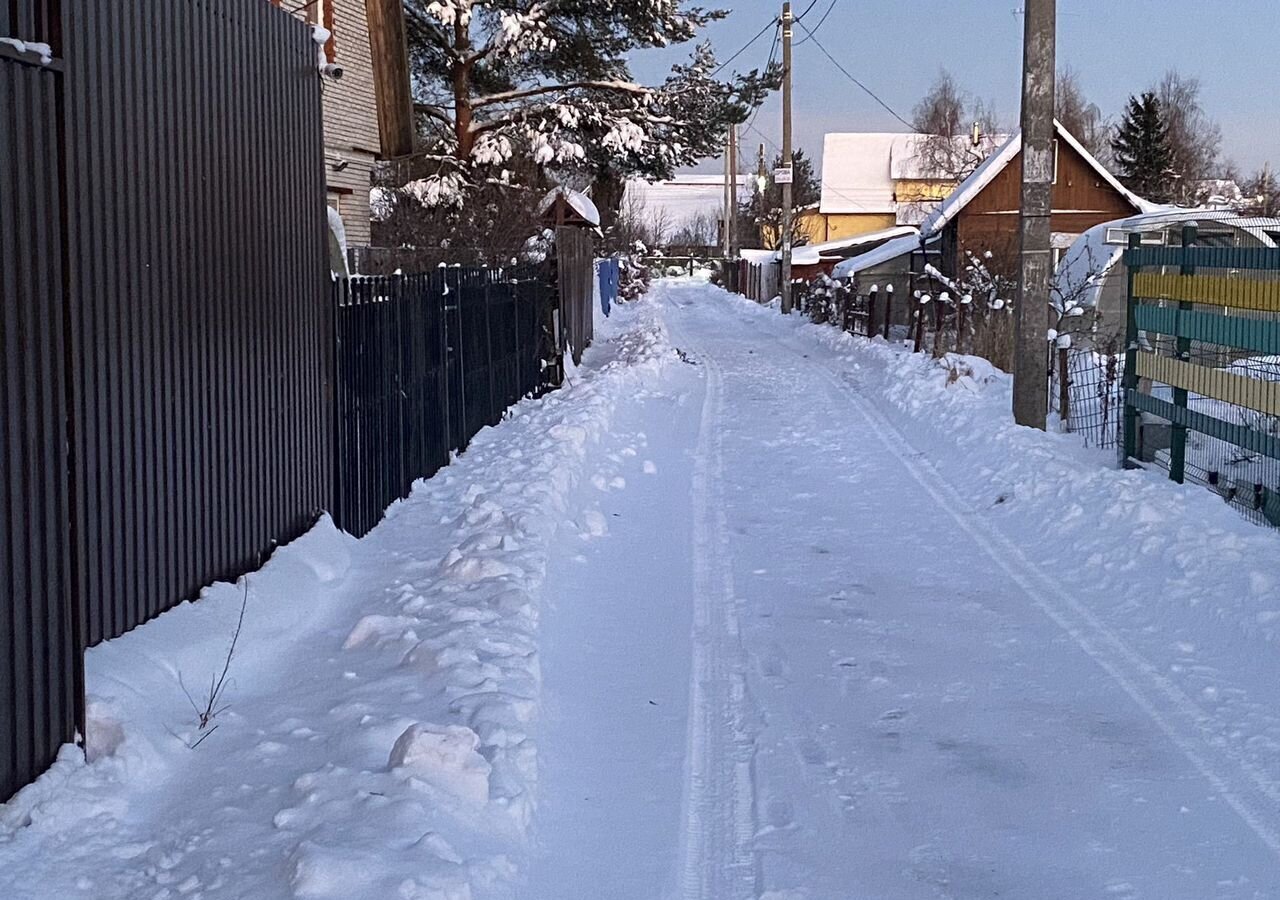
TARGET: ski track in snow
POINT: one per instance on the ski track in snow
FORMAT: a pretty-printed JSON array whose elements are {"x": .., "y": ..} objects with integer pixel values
[
  {"x": 719, "y": 799},
  {"x": 1249, "y": 791}
]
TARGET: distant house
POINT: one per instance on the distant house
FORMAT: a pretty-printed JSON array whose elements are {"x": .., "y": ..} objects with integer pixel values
[
  {"x": 872, "y": 181},
  {"x": 351, "y": 136},
  {"x": 981, "y": 214}
]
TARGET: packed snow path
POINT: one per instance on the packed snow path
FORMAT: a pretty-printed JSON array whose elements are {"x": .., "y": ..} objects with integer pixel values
[{"x": 886, "y": 697}]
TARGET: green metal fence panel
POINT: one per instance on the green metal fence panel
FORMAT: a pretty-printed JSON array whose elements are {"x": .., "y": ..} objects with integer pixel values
[{"x": 1202, "y": 361}]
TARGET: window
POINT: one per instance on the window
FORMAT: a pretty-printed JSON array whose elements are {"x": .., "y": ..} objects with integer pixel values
[{"x": 1120, "y": 237}]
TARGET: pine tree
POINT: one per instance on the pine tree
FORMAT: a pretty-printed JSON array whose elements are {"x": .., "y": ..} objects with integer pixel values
[
  {"x": 1142, "y": 150},
  {"x": 504, "y": 83}
]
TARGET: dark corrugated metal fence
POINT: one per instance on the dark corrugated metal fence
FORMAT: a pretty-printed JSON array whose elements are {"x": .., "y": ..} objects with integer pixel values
[
  {"x": 166, "y": 326},
  {"x": 199, "y": 295},
  {"x": 39, "y": 652},
  {"x": 423, "y": 363}
]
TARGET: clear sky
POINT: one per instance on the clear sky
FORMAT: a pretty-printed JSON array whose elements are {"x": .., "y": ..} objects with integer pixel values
[{"x": 1118, "y": 47}]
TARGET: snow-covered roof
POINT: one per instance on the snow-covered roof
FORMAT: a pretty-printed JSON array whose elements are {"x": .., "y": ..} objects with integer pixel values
[
  {"x": 888, "y": 251},
  {"x": 578, "y": 202},
  {"x": 852, "y": 243},
  {"x": 986, "y": 173},
  {"x": 859, "y": 169},
  {"x": 684, "y": 198},
  {"x": 812, "y": 254},
  {"x": 1092, "y": 259}
]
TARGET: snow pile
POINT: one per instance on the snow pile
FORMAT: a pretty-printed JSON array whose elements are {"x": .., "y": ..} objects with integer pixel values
[{"x": 374, "y": 738}]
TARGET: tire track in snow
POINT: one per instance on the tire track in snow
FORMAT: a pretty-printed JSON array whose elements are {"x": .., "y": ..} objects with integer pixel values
[
  {"x": 718, "y": 859},
  {"x": 1252, "y": 795}
]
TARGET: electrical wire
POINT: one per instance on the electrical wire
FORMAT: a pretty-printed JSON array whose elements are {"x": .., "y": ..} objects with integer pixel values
[
  {"x": 819, "y": 25},
  {"x": 773, "y": 23},
  {"x": 870, "y": 93},
  {"x": 773, "y": 53},
  {"x": 812, "y": 4}
]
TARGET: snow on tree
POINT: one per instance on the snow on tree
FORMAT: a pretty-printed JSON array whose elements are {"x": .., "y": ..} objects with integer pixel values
[
  {"x": 1262, "y": 193},
  {"x": 498, "y": 82},
  {"x": 760, "y": 218},
  {"x": 1143, "y": 153}
]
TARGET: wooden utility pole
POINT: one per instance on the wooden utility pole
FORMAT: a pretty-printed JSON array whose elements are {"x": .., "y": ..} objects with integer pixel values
[
  {"x": 786, "y": 158},
  {"x": 1030, "y": 365},
  {"x": 391, "y": 76}
]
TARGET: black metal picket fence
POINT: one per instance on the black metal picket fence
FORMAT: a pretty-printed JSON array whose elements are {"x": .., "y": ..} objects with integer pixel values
[{"x": 423, "y": 363}]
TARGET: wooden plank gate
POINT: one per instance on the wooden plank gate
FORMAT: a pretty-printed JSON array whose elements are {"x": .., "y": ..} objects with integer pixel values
[{"x": 1202, "y": 368}]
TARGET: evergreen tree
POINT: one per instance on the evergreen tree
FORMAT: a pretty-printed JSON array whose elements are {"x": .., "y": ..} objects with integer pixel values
[
  {"x": 504, "y": 85},
  {"x": 761, "y": 213},
  {"x": 1142, "y": 150}
]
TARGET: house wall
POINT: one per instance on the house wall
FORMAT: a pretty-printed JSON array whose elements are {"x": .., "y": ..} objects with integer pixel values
[
  {"x": 1081, "y": 199},
  {"x": 851, "y": 225},
  {"x": 809, "y": 224},
  {"x": 916, "y": 191},
  {"x": 350, "y": 115}
]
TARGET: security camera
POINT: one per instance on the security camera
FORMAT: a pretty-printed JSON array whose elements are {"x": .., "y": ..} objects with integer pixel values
[{"x": 332, "y": 70}]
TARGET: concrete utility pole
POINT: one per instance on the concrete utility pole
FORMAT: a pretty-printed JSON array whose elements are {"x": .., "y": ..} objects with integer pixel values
[
  {"x": 786, "y": 158},
  {"x": 1030, "y": 365},
  {"x": 391, "y": 76}
]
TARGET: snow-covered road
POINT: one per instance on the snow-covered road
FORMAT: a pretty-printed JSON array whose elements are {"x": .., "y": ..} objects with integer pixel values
[
  {"x": 889, "y": 699},
  {"x": 751, "y": 610}
]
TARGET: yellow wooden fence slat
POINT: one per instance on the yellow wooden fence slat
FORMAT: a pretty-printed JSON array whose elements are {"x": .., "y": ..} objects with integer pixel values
[
  {"x": 1217, "y": 290},
  {"x": 1251, "y": 393}
]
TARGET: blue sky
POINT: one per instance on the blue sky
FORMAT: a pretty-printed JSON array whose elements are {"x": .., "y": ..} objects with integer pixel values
[{"x": 1118, "y": 47}]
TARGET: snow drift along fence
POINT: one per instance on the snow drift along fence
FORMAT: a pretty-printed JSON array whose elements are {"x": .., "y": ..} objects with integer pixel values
[
  {"x": 1202, "y": 369},
  {"x": 165, "y": 415},
  {"x": 423, "y": 363}
]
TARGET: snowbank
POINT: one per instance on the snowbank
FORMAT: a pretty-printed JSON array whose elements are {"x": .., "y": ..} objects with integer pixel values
[{"x": 374, "y": 739}]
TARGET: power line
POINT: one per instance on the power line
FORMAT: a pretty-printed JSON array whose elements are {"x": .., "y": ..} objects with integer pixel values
[
  {"x": 818, "y": 27},
  {"x": 773, "y": 51},
  {"x": 872, "y": 94},
  {"x": 759, "y": 34},
  {"x": 812, "y": 4}
]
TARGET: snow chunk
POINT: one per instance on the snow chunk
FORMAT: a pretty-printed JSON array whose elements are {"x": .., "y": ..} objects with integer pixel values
[{"x": 445, "y": 757}]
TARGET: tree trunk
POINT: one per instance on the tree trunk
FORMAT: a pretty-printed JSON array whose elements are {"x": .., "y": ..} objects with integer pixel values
[
  {"x": 462, "y": 92},
  {"x": 607, "y": 192}
]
